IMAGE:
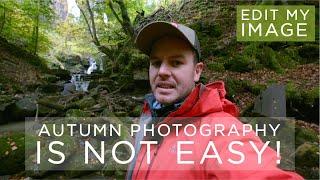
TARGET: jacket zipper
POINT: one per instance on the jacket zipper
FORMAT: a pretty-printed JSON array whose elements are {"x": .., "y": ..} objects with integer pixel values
[
  {"x": 141, "y": 163},
  {"x": 152, "y": 160}
]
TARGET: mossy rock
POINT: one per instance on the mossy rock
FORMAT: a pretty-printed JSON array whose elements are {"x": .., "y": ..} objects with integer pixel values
[
  {"x": 113, "y": 169},
  {"x": 39, "y": 170},
  {"x": 302, "y": 104},
  {"x": 308, "y": 173},
  {"x": 12, "y": 153},
  {"x": 303, "y": 134},
  {"x": 307, "y": 154},
  {"x": 26, "y": 105},
  {"x": 241, "y": 63},
  {"x": 77, "y": 113},
  {"x": 6, "y": 100},
  {"x": 86, "y": 102},
  {"x": 76, "y": 167}
]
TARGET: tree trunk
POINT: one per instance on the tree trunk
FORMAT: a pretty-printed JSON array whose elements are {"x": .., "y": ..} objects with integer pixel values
[
  {"x": 3, "y": 18},
  {"x": 125, "y": 22},
  {"x": 93, "y": 32},
  {"x": 36, "y": 29}
]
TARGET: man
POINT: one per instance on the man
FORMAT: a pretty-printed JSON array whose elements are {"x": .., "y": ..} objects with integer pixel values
[{"x": 175, "y": 67}]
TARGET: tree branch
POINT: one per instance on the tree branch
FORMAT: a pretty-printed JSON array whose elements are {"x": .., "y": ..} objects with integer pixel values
[
  {"x": 126, "y": 22},
  {"x": 110, "y": 4},
  {"x": 93, "y": 26},
  {"x": 86, "y": 20}
]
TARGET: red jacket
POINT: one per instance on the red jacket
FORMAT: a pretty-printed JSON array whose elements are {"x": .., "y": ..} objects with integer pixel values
[{"x": 207, "y": 105}]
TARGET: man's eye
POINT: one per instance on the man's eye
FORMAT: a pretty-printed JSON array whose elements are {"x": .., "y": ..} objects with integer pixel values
[
  {"x": 156, "y": 63},
  {"x": 176, "y": 63}
]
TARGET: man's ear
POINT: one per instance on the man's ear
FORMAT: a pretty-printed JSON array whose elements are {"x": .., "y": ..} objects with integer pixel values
[{"x": 198, "y": 71}]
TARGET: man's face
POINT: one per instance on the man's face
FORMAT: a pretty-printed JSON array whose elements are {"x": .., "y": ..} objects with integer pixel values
[{"x": 172, "y": 70}]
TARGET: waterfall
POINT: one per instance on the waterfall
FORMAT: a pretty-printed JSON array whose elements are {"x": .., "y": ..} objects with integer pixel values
[
  {"x": 80, "y": 84},
  {"x": 92, "y": 67}
]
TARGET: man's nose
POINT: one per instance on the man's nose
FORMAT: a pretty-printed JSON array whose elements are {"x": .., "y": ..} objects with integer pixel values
[{"x": 164, "y": 70}]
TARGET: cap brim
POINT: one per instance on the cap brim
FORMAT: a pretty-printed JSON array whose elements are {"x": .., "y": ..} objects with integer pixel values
[{"x": 153, "y": 32}]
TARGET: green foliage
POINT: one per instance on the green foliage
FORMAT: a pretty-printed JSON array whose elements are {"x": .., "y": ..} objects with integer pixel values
[
  {"x": 255, "y": 56},
  {"x": 268, "y": 59},
  {"x": 216, "y": 66},
  {"x": 208, "y": 28},
  {"x": 208, "y": 34},
  {"x": 238, "y": 86},
  {"x": 25, "y": 23},
  {"x": 240, "y": 63}
]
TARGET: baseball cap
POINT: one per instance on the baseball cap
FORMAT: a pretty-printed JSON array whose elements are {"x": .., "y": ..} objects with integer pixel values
[{"x": 153, "y": 31}]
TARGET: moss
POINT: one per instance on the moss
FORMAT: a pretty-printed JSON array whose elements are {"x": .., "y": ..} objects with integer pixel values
[
  {"x": 256, "y": 89},
  {"x": 285, "y": 60},
  {"x": 302, "y": 104},
  {"x": 240, "y": 63},
  {"x": 307, "y": 155},
  {"x": 12, "y": 160},
  {"x": 268, "y": 59},
  {"x": 310, "y": 96},
  {"x": 77, "y": 113},
  {"x": 303, "y": 135},
  {"x": 86, "y": 102}
]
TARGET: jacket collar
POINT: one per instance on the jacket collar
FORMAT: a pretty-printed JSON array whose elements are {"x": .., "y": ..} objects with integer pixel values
[{"x": 204, "y": 99}]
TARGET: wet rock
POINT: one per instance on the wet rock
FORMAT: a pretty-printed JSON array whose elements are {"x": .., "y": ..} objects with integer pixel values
[
  {"x": 25, "y": 107},
  {"x": 68, "y": 89}
]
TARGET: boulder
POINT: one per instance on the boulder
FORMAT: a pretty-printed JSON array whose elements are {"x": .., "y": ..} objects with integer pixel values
[
  {"x": 68, "y": 89},
  {"x": 307, "y": 154}
]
